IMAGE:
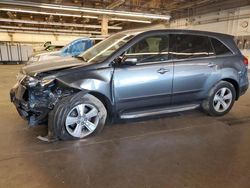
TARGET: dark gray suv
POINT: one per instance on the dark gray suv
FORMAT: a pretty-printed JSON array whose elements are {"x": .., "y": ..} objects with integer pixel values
[{"x": 132, "y": 74}]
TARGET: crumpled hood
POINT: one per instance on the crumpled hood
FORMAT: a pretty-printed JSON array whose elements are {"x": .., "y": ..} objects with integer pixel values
[{"x": 50, "y": 65}]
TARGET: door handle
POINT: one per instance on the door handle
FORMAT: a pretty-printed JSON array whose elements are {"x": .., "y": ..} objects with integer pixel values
[
  {"x": 211, "y": 65},
  {"x": 163, "y": 70}
]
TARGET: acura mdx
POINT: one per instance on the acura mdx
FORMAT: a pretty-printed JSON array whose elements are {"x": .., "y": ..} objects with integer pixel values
[{"x": 132, "y": 74}]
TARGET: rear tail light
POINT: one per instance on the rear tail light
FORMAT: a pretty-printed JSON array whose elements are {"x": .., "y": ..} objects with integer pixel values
[{"x": 245, "y": 61}]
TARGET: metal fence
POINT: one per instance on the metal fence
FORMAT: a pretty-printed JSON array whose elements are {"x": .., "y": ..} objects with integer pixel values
[{"x": 15, "y": 53}]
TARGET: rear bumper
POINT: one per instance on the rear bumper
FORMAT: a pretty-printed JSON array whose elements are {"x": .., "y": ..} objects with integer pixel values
[{"x": 243, "y": 89}]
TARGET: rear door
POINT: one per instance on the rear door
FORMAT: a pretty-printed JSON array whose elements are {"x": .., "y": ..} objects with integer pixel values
[
  {"x": 194, "y": 64},
  {"x": 147, "y": 83}
]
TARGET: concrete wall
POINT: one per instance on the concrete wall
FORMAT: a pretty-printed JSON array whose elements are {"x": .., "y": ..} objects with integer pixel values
[
  {"x": 234, "y": 21},
  {"x": 35, "y": 38}
]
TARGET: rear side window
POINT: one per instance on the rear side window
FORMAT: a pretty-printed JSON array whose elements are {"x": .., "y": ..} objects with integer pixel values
[
  {"x": 220, "y": 48},
  {"x": 189, "y": 46}
]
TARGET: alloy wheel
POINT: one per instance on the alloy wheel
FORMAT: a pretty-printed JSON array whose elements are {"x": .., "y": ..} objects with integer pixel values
[
  {"x": 82, "y": 120},
  {"x": 222, "y": 99}
]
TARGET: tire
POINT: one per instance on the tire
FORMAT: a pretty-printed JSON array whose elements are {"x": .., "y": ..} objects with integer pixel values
[
  {"x": 71, "y": 115},
  {"x": 214, "y": 105}
]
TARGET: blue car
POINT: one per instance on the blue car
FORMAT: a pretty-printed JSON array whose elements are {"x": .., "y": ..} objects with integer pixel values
[{"x": 74, "y": 48}]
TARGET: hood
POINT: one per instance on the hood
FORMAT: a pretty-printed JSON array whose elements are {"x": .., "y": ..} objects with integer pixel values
[
  {"x": 48, "y": 65},
  {"x": 48, "y": 53},
  {"x": 43, "y": 56}
]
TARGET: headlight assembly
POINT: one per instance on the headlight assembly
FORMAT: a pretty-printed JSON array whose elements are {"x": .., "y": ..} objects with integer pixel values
[{"x": 33, "y": 82}]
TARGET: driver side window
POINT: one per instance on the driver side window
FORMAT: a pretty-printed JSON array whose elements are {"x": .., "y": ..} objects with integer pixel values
[{"x": 150, "y": 49}]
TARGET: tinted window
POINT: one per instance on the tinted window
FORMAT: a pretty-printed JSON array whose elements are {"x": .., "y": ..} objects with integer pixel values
[
  {"x": 189, "y": 46},
  {"x": 220, "y": 48},
  {"x": 150, "y": 49}
]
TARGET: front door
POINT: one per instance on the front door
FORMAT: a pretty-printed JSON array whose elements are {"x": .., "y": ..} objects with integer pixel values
[{"x": 148, "y": 82}]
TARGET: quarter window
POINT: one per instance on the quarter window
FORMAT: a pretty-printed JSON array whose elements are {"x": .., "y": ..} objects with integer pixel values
[
  {"x": 189, "y": 46},
  {"x": 150, "y": 49},
  {"x": 220, "y": 48}
]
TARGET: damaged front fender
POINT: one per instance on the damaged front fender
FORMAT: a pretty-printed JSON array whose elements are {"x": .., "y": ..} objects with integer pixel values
[
  {"x": 35, "y": 103},
  {"x": 39, "y": 94}
]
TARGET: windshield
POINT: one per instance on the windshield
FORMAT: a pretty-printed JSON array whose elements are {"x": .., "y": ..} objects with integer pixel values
[
  {"x": 105, "y": 48},
  {"x": 67, "y": 45},
  {"x": 76, "y": 42}
]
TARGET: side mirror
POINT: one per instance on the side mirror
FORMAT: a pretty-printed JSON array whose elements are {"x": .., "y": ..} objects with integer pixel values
[{"x": 130, "y": 61}]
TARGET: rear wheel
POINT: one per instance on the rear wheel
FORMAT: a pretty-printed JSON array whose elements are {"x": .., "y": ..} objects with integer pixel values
[
  {"x": 220, "y": 100},
  {"x": 77, "y": 117}
]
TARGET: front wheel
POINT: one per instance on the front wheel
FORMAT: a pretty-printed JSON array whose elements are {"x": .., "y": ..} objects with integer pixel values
[
  {"x": 220, "y": 100},
  {"x": 77, "y": 117}
]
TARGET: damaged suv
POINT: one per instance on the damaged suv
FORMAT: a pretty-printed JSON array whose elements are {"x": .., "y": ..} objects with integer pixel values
[{"x": 132, "y": 74}]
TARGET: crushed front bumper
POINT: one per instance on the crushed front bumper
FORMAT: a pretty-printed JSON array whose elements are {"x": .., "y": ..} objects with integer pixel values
[{"x": 35, "y": 110}]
